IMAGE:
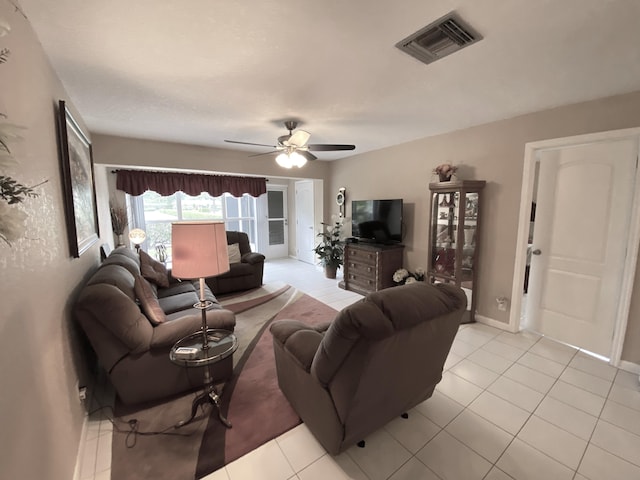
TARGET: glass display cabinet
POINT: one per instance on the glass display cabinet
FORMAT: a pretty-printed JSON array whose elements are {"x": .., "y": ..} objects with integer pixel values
[{"x": 454, "y": 235}]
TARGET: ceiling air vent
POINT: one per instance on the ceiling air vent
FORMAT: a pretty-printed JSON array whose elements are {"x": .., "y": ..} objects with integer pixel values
[{"x": 439, "y": 39}]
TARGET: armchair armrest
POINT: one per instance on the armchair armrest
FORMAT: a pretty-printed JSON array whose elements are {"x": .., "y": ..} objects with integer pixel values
[
  {"x": 299, "y": 339},
  {"x": 252, "y": 258},
  {"x": 168, "y": 333}
]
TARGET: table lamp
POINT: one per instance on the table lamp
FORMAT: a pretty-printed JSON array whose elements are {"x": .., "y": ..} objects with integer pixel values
[
  {"x": 137, "y": 236},
  {"x": 199, "y": 250}
]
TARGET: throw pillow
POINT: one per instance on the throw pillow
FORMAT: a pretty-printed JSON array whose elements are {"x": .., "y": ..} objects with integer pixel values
[
  {"x": 153, "y": 270},
  {"x": 148, "y": 301},
  {"x": 234, "y": 253}
]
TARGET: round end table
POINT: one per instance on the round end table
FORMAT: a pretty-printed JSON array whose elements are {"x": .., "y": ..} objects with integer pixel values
[{"x": 190, "y": 352}]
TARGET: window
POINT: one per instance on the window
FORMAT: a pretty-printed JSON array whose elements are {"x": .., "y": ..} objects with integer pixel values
[
  {"x": 154, "y": 214},
  {"x": 240, "y": 216}
]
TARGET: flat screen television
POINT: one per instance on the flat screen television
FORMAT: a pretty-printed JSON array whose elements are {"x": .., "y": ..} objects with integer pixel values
[{"x": 377, "y": 221}]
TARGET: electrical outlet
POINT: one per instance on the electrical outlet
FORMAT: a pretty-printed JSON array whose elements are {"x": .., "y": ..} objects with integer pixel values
[
  {"x": 502, "y": 303},
  {"x": 82, "y": 394}
]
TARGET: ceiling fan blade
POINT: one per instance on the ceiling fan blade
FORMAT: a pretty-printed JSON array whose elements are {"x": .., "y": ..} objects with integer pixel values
[
  {"x": 308, "y": 155},
  {"x": 265, "y": 153},
  {"x": 326, "y": 147},
  {"x": 298, "y": 139},
  {"x": 249, "y": 143}
]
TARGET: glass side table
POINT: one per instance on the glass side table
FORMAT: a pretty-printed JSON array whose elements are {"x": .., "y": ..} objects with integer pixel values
[{"x": 189, "y": 352}]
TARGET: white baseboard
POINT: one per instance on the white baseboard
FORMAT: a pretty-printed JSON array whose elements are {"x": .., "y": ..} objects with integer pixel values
[
  {"x": 494, "y": 323},
  {"x": 624, "y": 364},
  {"x": 629, "y": 367}
]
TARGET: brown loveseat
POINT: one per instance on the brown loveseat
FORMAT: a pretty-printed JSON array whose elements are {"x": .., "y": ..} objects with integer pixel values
[
  {"x": 133, "y": 351},
  {"x": 245, "y": 273},
  {"x": 378, "y": 359}
]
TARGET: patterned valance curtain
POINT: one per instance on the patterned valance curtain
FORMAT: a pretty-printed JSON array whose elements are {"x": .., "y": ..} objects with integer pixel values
[{"x": 136, "y": 182}]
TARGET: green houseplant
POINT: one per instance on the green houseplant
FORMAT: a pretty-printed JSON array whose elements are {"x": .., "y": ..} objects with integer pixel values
[{"x": 330, "y": 250}]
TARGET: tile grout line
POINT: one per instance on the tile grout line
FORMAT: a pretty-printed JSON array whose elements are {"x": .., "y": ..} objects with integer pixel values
[
  {"x": 527, "y": 421},
  {"x": 600, "y": 419}
]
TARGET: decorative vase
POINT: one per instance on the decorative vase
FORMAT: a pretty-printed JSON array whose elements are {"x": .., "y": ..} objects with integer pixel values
[
  {"x": 330, "y": 271},
  {"x": 120, "y": 240},
  {"x": 444, "y": 177}
]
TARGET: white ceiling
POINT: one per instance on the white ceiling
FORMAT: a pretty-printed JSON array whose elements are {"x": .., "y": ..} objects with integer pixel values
[{"x": 201, "y": 71}]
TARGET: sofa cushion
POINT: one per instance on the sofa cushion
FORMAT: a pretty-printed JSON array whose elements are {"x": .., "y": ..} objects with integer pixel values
[
  {"x": 117, "y": 276},
  {"x": 179, "y": 302},
  {"x": 153, "y": 270},
  {"x": 104, "y": 308},
  {"x": 241, "y": 238},
  {"x": 149, "y": 301},
  {"x": 176, "y": 289},
  {"x": 133, "y": 266},
  {"x": 234, "y": 253},
  {"x": 127, "y": 252}
]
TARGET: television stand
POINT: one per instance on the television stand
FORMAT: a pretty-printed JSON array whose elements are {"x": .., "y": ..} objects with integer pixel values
[{"x": 369, "y": 267}]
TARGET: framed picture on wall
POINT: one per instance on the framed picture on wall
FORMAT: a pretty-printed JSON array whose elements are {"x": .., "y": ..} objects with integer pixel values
[{"x": 78, "y": 183}]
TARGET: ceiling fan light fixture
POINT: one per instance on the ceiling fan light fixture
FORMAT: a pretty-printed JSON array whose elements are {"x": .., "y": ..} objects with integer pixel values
[
  {"x": 297, "y": 159},
  {"x": 284, "y": 161},
  {"x": 294, "y": 148}
]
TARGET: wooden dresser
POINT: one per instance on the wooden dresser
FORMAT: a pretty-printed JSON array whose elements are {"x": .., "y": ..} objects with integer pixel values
[{"x": 370, "y": 267}]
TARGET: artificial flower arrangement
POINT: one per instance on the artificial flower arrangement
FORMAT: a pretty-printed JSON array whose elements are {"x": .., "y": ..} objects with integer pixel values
[
  {"x": 444, "y": 171},
  {"x": 119, "y": 220},
  {"x": 403, "y": 276}
]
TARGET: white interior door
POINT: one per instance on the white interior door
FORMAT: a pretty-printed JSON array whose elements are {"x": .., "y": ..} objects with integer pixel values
[
  {"x": 277, "y": 222},
  {"x": 584, "y": 198},
  {"x": 305, "y": 221}
]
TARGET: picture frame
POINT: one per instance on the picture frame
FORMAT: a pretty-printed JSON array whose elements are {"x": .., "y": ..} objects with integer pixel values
[{"x": 76, "y": 162}]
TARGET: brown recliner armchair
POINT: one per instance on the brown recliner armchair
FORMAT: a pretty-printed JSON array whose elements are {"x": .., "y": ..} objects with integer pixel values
[
  {"x": 378, "y": 359},
  {"x": 244, "y": 274}
]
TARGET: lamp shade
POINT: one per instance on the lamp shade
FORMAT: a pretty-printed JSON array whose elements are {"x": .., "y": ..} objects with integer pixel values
[
  {"x": 137, "y": 236},
  {"x": 199, "y": 249}
]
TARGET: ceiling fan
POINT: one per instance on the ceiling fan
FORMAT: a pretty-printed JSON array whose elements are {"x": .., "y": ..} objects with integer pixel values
[{"x": 293, "y": 148}]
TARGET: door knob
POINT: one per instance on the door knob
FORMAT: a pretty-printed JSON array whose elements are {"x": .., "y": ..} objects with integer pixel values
[{"x": 537, "y": 251}]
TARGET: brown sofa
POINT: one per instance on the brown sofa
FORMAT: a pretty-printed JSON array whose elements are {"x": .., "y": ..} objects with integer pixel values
[
  {"x": 378, "y": 359},
  {"x": 133, "y": 351},
  {"x": 242, "y": 275}
]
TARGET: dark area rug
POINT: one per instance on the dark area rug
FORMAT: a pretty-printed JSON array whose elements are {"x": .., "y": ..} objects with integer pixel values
[{"x": 251, "y": 399}]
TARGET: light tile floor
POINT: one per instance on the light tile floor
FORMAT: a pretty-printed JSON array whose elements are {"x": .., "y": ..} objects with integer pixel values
[{"x": 510, "y": 406}]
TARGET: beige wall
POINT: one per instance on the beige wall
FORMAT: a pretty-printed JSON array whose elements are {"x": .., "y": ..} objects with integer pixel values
[
  {"x": 111, "y": 152},
  {"x": 493, "y": 152},
  {"x": 41, "y": 356},
  {"x": 131, "y": 152}
]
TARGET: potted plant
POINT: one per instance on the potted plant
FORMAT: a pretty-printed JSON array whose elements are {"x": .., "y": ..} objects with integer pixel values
[{"x": 330, "y": 250}]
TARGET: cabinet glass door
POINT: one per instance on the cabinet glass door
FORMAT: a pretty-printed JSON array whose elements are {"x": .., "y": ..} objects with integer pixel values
[
  {"x": 445, "y": 234},
  {"x": 469, "y": 246},
  {"x": 454, "y": 236}
]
